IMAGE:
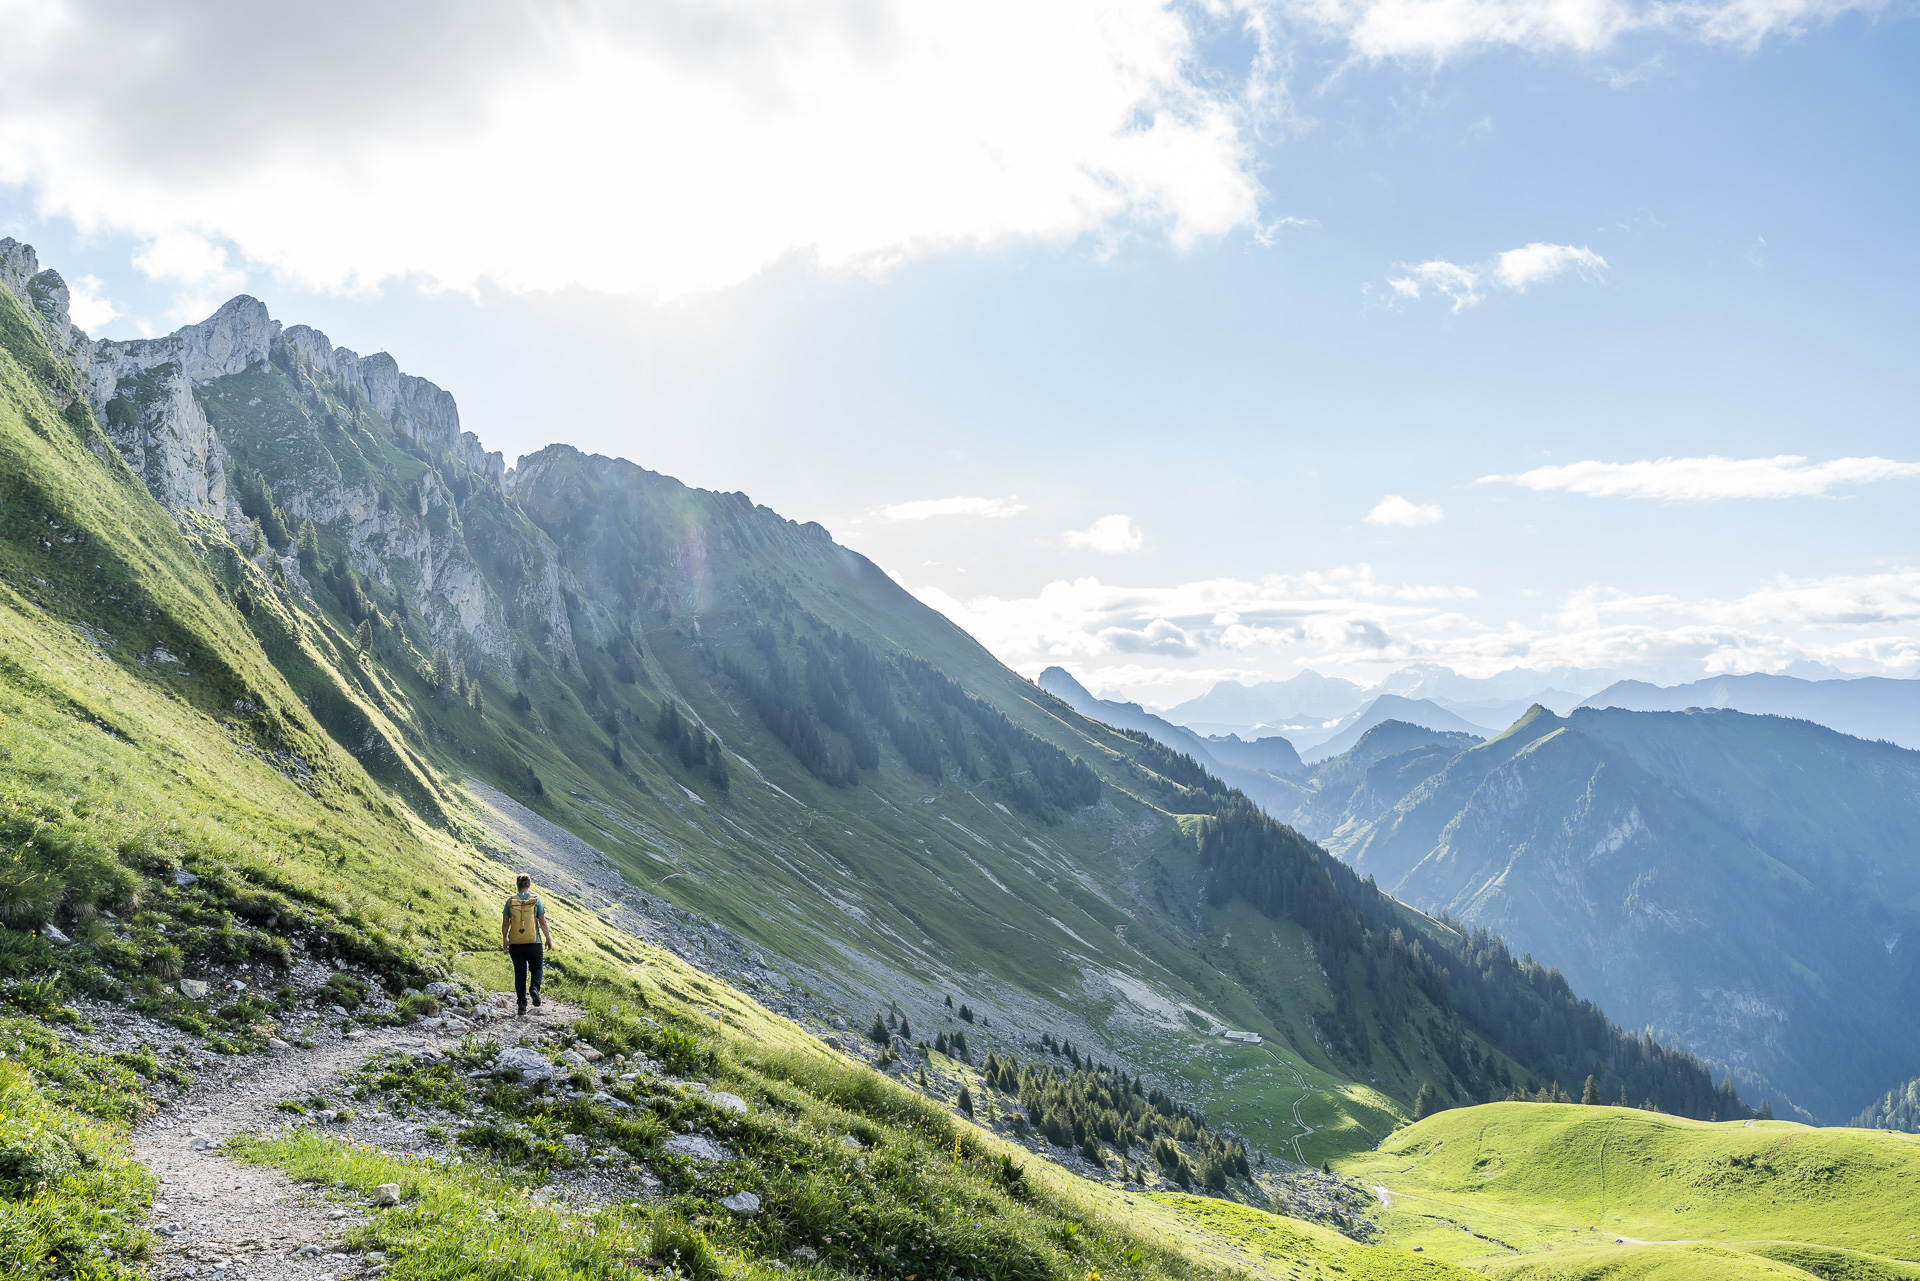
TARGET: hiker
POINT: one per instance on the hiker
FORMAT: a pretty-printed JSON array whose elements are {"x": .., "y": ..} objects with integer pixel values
[{"x": 523, "y": 923}]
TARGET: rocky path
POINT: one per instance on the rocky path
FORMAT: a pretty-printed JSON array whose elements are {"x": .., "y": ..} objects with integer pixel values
[{"x": 218, "y": 1218}]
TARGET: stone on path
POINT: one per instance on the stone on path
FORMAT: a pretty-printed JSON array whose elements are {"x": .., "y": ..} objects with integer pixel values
[
  {"x": 528, "y": 1063},
  {"x": 387, "y": 1194}
]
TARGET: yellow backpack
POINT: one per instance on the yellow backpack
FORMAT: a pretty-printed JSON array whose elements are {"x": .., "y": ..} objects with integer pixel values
[{"x": 522, "y": 924}]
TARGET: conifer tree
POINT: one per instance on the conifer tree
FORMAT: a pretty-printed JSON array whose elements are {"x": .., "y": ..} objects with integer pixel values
[
  {"x": 363, "y": 637},
  {"x": 906, "y": 1029},
  {"x": 1426, "y": 1102},
  {"x": 309, "y": 545},
  {"x": 1591, "y": 1094},
  {"x": 966, "y": 1100},
  {"x": 442, "y": 671},
  {"x": 878, "y": 1033}
]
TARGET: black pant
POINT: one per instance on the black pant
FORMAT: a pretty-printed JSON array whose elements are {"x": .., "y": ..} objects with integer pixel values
[{"x": 526, "y": 956}]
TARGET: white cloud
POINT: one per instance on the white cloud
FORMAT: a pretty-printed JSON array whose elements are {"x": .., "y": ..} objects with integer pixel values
[
  {"x": 931, "y": 508},
  {"x": 1435, "y": 30},
  {"x": 1185, "y": 637},
  {"x": 1538, "y": 263},
  {"x": 1113, "y": 534},
  {"x": 1515, "y": 270},
  {"x": 1710, "y": 478},
  {"x": 660, "y": 147},
  {"x": 87, "y": 302},
  {"x": 1395, "y": 510}
]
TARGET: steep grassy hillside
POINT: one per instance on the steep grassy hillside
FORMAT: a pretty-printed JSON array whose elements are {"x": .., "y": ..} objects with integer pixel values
[{"x": 1553, "y": 1190}]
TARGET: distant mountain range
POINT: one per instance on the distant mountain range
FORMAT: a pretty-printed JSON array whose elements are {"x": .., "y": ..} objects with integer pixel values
[
  {"x": 1253, "y": 767},
  {"x": 1310, "y": 709},
  {"x": 1422, "y": 712},
  {"x": 1872, "y": 707},
  {"x": 1747, "y": 884}
]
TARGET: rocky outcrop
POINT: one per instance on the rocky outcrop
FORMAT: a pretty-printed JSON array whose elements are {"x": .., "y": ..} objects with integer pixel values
[
  {"x": 143, "y": 394},
  {"x": 153, "y": 398},
  {"x": 418, "y": 410}
]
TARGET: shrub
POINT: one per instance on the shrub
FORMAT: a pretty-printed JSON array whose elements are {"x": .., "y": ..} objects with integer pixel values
[
  {"x": 679, "y": 1245},
  {"x": 419, "y": 1005}
]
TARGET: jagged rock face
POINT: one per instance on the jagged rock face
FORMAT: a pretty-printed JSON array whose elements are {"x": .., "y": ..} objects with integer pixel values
[
  {"x": 418, "y": 409},
  {"x": 152, "y": 398}
]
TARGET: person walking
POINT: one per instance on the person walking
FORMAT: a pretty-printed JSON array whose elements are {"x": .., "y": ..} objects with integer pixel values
[{"x": 523, "y": 924}]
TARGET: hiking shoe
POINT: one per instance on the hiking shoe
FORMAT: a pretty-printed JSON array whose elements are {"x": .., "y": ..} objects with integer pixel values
[
  {"x": 536, "y": 1000},
  {"x": 523, "y": 1012}
]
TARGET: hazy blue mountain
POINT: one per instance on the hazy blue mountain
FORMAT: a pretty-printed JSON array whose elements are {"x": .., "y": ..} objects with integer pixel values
[
  {"x": 1273, "y": 754},
  {"x": 1310, "y": 707},
  {"x": 1390, "y": 707},
  {"x": 1499, "y": 699},
  {"x": 1308, "y": 698},
  {"x": 1748, "y": 884},
  {"x": 1875, "y": 707},
  {"x": 1363, "y": 783},
  {"x": 1256, "y": 768}
]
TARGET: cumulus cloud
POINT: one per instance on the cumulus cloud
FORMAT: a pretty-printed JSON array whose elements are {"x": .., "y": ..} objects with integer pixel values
[
  {"x": 664, "y": 146},
  {"x": 931, "y": 508},
  {"x": 1185, "y": 637},
  {"x": 1395, "y": 510},
  {"x": 1113, "y": 534},
  {"x": 1710, "y": 478},
  {"x": 1516, "y": 270},
  {"x": 1436, "y": 30}
]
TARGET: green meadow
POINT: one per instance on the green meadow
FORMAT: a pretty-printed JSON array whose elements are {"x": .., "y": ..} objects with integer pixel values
[{"x": 1566, "y": 1192}]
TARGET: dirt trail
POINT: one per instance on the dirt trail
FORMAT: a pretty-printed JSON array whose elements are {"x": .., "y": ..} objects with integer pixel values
[{"x": 218, "y": 1218}]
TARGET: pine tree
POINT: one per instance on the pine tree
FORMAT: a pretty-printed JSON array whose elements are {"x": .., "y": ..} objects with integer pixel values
[
  {"x": 309, "y": 545},
  {"x": 878, "y": 1033},
  {"x": 949, "y": 1002},
  {"x": 966, "y": 1100},
  {"x": 1426, "y": 1102},
  {"x": 363, "y": 637},
  {"x": 941, "y": 1044},
  {"x": 478, "y": 702},
  {"x": 1591, "y": 1094},
  {"x": 256, "y": 539},
  {"x": 442, "y": 671},
  {"x": 966, "y": 1015},
  {"x": 906, "y": 1029}
]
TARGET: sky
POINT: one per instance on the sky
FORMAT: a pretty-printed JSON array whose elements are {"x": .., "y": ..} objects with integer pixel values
[{"x": 1171, "y": 343}]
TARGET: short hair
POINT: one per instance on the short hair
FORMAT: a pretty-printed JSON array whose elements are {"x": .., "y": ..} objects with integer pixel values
[{"x": 523, "y": 882}]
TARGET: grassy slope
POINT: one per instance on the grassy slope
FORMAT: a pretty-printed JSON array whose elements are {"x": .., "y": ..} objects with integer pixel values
[
  {"x": 1542, "y": 1190},
  {"x": 118, "y": 766}
]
